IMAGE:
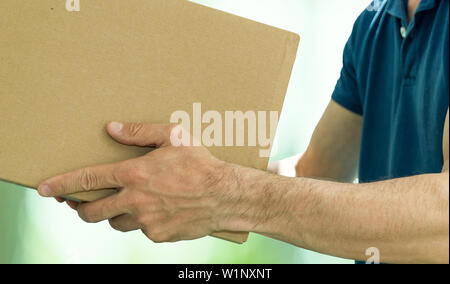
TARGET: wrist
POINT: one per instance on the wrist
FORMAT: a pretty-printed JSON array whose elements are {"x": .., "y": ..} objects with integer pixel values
[
  {"x": 227, "y": 196},
  {"x": 250, "y": 200}
]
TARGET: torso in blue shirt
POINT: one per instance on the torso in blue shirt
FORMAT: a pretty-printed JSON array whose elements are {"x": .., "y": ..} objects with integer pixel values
[{"x": 398, "y": 81}]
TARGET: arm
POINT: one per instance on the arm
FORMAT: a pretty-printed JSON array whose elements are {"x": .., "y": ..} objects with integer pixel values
[
  {"x": 333, "y": 151},
  {"x": 406, "y": 219},
  {"x": 445, "y": 145},
  {"x": 182, "y": 193},
  {"x": 334, "y": 148}
]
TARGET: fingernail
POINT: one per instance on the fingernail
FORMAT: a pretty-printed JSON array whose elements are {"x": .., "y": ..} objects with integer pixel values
[
  {"x": 44, "y": 190},
  {"x": 115, "y": 127}
]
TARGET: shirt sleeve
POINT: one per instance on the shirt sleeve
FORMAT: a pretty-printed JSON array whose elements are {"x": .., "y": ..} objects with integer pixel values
[{"x": 346, "y": 91}]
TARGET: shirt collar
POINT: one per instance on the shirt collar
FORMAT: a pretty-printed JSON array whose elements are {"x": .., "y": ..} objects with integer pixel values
[{"x": 397, "y": 8}]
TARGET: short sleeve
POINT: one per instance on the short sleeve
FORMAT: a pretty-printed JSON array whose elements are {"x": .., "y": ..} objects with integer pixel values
[{"x": 346, "y": 91}]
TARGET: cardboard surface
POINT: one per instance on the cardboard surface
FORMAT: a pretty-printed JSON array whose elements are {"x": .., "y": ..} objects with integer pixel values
[{"x": 65, "y": 75}]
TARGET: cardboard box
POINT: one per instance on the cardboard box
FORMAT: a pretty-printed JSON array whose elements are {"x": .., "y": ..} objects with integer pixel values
[{"x": 65, "y": 75}]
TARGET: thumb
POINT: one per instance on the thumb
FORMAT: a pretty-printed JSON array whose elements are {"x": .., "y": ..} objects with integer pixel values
[{"x": 141, "y": 134}]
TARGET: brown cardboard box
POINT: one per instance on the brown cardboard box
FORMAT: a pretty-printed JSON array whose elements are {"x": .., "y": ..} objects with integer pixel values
[{"x": 64, "y": 75}]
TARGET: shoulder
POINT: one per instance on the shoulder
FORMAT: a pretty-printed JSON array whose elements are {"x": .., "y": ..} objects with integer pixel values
[
  {"x": 369, "y": 20},
  {"x": 375, "y": 11}
]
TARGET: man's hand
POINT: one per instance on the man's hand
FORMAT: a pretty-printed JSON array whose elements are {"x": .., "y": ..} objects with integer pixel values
[
  {"x": 285, "y": 167},
  {"x": 171, "y": 194}
]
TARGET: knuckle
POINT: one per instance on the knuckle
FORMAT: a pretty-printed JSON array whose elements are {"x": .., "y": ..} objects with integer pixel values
[
  {"x": 136, "y": 175},
  {"x": 135, "y": 129},
  {"x": 116, "y": 175},
  {"x": 88, "y": 180}
]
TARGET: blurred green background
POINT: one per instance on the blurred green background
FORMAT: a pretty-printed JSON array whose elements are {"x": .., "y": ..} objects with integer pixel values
[{"x": 37, "y": 230}]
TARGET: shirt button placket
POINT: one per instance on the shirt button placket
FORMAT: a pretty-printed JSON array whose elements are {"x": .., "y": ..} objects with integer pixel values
[{"x": 403, "y": 32}]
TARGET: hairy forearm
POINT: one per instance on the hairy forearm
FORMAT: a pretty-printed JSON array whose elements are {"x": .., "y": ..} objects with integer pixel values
[
  {"x": 326, "y": 168},
  {"x": 406, "y": 219}
]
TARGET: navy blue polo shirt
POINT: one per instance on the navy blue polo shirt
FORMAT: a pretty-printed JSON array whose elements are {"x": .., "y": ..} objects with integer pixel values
[{"x": 396, "y": 76}]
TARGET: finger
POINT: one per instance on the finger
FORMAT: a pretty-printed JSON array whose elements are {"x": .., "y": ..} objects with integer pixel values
[
  {"x": 140, "y": 134},
  {"x": 103, "y": 209},
  {"x": 124, "y": 223},
  {"x": 93, "y": 178},
  {"x": 73, "y": 204},
  {"x": 274, "y": 167},
  {"x": 59, "y": 199}
]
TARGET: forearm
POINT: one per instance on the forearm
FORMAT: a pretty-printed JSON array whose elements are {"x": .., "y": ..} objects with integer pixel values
[
  {"x": 330, "y": 168},
  {"x": 333, "y": 151},
  {"x": 406, "y": 219}
]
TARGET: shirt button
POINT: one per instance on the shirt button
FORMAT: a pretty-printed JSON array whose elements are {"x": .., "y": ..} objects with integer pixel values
[{"x": 403, "y": 32}]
